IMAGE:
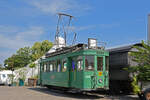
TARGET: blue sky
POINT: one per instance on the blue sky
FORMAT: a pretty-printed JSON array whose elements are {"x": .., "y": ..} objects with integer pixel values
[{"x": 116, "y": 22}]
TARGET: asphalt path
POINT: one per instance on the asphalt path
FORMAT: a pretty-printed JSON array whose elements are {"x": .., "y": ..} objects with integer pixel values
[{"x": 41, "y": 93}]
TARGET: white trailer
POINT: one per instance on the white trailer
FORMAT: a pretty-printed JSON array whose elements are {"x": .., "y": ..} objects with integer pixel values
[{"x": 5, "y": 78}]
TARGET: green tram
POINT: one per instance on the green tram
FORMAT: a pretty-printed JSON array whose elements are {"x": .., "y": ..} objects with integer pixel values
[{"x": 75, "y": 67}]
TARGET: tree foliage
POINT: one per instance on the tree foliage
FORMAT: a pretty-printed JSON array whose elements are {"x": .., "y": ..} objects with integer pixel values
[
  {"x": 26, "y": 55},
  {"x": 142, "y": 57},
  {"x": 20, "y": 59},
  {"x": 1, "y": 67},
  {"x": 40, "y": 48},
  {"x": 9, "y": 63}
]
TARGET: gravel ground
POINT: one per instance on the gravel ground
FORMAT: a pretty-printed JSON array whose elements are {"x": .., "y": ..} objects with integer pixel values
[{"x": 40, "y": 93}]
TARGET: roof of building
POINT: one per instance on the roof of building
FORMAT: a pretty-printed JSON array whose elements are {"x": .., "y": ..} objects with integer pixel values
[
  {"x": 126, "y": 48},
  {"x": 6, "y": 72}
]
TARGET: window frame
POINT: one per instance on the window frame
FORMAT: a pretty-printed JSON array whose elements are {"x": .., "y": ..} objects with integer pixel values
[
  {"x": 93, "y": 63},
  {"x": 47, "y": 66},
  {"x": 59, "y": 65},
  {"x": 64, "y": 63},
  {"x": 44, "y": 67},
  {"x": 106, "y": 63},
  {"x": 81, "y": 63},
  {"x": 51, "y": 66},
  {"x": 73, "y": 60},
  {"x": 102, "y": 63}
]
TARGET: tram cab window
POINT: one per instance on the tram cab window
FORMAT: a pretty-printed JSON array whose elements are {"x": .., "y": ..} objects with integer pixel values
[
  {"x": 100, "y": 63},
  {"x": 64, "y": 65},
  {"x": 89, "y": 62},
  {"x": 79, "y": 63}
]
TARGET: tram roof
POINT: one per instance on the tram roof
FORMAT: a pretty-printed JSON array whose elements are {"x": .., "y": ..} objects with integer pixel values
[
  {"x": 69, "y": 49},
  {"x": 64, "y": 50}
]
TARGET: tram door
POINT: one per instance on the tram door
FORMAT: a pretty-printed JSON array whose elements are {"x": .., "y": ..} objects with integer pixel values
[
  {"x": 72, "y": 72},
  {"x": 76, "y": 71},
  {"x": 102, "y": 69}
]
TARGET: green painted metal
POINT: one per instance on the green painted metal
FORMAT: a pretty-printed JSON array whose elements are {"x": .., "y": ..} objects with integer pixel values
[
  {"x": 21, "y": 82},
  {"x": 84, "y": 80}
]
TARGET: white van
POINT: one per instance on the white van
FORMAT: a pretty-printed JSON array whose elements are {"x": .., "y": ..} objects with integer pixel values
[{"x": 5, "y": 77}]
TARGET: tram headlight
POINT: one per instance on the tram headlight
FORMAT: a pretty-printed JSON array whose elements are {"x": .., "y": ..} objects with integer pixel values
[{"x": 100, "y": 80}]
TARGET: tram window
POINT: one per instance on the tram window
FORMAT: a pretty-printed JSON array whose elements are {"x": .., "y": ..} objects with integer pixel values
[
  {"x": 44, "y": 67},
  {"x": 64, "y": 65},
  {"x": 107, "y": 62},
  {"x": 89, "y": 62},
  {"x": 51, "y": 67},
  {"x": 100, "y": 63},
  {"x": 47, "y": 67},
  {"x": 73, "y": 65},
  {"x": 58, "y": 66},
  {"x": 79, "y": 63},
  {"x": 55, "y": 67}
]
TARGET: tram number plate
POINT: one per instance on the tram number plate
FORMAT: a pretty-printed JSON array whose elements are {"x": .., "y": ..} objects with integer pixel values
[
  {"x": 100, "y": 73},
  {"x": 52, "y": 77}
]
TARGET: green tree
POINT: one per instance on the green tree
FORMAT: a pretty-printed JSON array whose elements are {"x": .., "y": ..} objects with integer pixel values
[
  {"x": 36, "y": 51},
  {"x": 9, "y": 63},
  {"x": 19, "y": 60},
  {"x": 26, "y": 55},
  {"x": 142, "y": 70},
  {"x": 40, "y": 48},
  {"x": 23, "y": 55},
  {"x": 1, "y": 67}
]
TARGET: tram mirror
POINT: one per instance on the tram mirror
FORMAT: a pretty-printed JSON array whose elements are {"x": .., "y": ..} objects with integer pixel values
[{"x": 92, "y": 43}]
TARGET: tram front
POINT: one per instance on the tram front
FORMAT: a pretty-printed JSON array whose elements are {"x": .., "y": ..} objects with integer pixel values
[{"x": 96, "y": 75}]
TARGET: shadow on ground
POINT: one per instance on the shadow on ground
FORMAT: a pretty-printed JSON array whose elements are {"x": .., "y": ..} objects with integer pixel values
[
  {"x": 119, "y": 96},
  {"x": 66, "y": 94},
  {"x": 97, "y": 95}
]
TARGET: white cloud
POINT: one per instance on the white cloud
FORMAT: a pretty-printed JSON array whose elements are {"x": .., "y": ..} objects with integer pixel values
[
  {"x": 20, "y": 38},
  {"x": 54, "y": 6},
  {"x": 30, "y": 34},
  {"x": 8, "y": 29}
]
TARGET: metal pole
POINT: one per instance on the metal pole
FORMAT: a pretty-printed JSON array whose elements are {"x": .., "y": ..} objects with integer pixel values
[
  {"x": 57, "y": 31},
  {"x": 148, "y": 29}
]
